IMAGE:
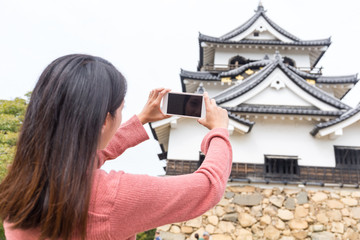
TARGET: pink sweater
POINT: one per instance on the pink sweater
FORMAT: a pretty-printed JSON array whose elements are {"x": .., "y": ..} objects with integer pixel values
[{"x": 124, "y": 204}]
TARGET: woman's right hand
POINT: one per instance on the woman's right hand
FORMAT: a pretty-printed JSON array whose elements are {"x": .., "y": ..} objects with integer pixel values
[{"x": 216, "y": 117}]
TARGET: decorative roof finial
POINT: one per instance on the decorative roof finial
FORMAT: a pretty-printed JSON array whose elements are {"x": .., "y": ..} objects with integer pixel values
[
  {"x": 200, "y": 89},
  {"x": 260, "y": 7},
  {"x": 277, "y": 55}
]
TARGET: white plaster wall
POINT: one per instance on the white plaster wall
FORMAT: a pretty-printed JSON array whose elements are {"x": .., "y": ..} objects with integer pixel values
[
  {"x": 268, "y": 136},
  {"x": 290, "y": 137},
  {"x": 223, "y": 55},
  {"x": 185, "y": 139}
]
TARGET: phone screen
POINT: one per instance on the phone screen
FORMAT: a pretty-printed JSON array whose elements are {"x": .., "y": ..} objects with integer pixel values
[{"x": 182, "y": 104}]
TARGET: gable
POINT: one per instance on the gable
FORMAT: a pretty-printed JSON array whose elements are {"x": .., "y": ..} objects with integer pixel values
[
  {"x": 265, "y": 30},
  {"x": 282, "y": 96},
  {"x": 277, "y": 88}
]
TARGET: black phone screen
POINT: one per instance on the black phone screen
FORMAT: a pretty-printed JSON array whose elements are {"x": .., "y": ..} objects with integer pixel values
[{"x": 182, "y": 104}]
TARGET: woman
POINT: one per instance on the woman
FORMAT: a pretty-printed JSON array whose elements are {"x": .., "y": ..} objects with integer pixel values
[{"x": 55, "y": 189}]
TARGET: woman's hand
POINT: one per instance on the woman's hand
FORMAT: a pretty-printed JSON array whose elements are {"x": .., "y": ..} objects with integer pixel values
[
  {"x": 216, "y": 117},
  {"x": 151, "y": 111}
]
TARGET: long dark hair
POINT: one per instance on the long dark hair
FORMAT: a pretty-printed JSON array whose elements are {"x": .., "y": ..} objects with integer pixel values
[{"x": 48, "y": 185}]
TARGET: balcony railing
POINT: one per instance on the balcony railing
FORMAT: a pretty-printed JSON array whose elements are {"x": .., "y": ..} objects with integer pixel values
[{"x": 256, "y": 173}]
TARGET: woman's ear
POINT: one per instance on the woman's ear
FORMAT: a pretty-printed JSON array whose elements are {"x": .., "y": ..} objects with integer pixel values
[{"x": 106, "y": 123}]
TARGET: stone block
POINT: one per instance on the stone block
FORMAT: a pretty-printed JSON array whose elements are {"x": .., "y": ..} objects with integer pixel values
[
  {"x": 196, "y": 222},
  {"x": 172, "y": 236},
  {"x": 285, "y": 214},
  {"x": 229, "y": 195},
  {"x": 267, "y": 192},
  {"x": 246, "y": 220},
  {"x": 243, "y": 234},
  {"x": 334, "y": 204},
  {"x": 175, "y": 229},
  {"x": 318, "y": 228},
  {"x": 302, "y": 197},
  {"x": 337, "y": 227},
  {"x": 232, "y": 217},
  {"x": 271, "y": 233},
  {"x": 214, "y": 220},
  {"x": 290, "y": 203},
  {"x": 322, "y": 236},
  {"x": 349, "y": 202},
  {"x": 300, "y": 234},
  {"x": 221, "y": 237},
  {"x": 277, "y": 200},
  {"x": 301, "y": 212},
  {"x": 164, "y": 228},
  {"x": 298, "y": 224},
  {"x": 226, "y": 227},
  {"x": 319, "y": 197},
  {"x": 248, "y": 199},
  {"x": 355, "y": 212}
]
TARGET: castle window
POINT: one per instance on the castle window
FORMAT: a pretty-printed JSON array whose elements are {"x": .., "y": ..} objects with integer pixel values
[
  {"x": 237, "y": 61},
  {"x": 289, "y": 61},
  {"x": 281, "y": 165},
  {"x": 347, "y": 157},
  {"x": 256, "y": 34}
]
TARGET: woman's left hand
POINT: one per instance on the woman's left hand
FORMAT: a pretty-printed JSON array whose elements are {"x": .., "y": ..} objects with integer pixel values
[{"x": 151, "y": 111}]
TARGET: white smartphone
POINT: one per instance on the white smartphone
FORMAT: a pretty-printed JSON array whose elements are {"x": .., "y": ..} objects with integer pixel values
[{"x": 184, "y": 104}]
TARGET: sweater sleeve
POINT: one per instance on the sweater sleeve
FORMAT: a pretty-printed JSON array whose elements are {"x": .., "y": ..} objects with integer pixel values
[
  {"x": 144, "y": 202},
  {"x": 130, "y": 134}
]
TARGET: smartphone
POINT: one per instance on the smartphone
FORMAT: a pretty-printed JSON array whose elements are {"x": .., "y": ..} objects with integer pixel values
[{"x": 184, "y": 104}]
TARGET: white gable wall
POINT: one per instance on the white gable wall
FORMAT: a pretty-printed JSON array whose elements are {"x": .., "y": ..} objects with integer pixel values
[
  {"x": 283, "y": 96},
  {"x": 261, "y": 25},
  {"x": 223, "y": 55}
]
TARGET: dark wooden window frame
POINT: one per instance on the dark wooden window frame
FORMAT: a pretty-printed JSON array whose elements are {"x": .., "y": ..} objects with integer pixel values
[
  {"x": 347, "y": 156},
  {"x": 279, "y": 166}
]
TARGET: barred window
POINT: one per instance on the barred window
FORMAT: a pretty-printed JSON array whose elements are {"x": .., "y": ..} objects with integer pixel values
[
  {"x": 281, "y": 165},
  {"x": 347, "y": 157}
]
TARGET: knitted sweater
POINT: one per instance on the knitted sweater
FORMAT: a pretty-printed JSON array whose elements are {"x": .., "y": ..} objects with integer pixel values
[{"x": 123, "y": 204}]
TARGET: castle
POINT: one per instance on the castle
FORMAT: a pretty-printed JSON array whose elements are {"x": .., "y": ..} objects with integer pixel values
[{"x": 295, "y": 137}]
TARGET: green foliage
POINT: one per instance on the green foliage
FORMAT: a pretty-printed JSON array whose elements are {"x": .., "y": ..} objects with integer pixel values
[
  {"x": 12, "y": 114},
  {"x": 148, "y": 235}
]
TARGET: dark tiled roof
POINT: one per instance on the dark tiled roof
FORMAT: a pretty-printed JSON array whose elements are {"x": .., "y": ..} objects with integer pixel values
[
  {"x": 258, "y": 77},
  {"x": 288, "y": 110},
  {"x": 261, "y": 12},
  {"x": 319, "y": 42},
  {"x": 335, "y": 121},
  {"x": 241, "y": 120},
  {"x": 324, "y": 79},
  {"x": 199, "y": 75},
  {"x": 319, "y": 94}
]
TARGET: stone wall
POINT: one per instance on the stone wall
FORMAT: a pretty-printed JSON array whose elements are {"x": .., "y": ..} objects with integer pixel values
[{"x": 286, "y": 213}]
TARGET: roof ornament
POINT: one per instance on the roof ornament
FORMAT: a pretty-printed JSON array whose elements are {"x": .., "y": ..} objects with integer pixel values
[
  {"x": 200, "y": 89},
  {"x": 260, "y": 7},
  {"x": 266, "y": 57},
  {"x": 277, "y": 56}
]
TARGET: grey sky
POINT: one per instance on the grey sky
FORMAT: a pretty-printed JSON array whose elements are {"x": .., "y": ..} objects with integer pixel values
[{"x": 149, "y": 41}]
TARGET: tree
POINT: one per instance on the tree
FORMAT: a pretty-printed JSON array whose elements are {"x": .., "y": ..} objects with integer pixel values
[{"x": 12, "y": 114}]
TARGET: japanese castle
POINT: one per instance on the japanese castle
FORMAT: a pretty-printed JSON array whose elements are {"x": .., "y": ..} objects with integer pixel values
[{"x": 289, "y": 123}]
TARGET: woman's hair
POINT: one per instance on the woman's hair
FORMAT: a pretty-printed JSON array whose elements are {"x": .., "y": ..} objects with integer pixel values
[{"x": 49, "y": 183}]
